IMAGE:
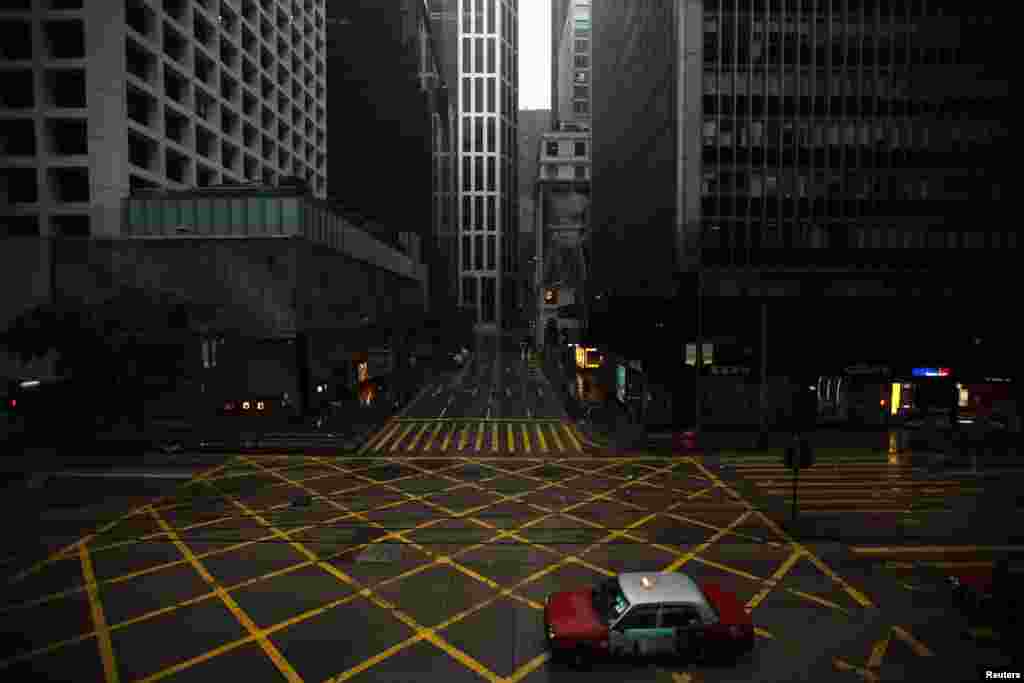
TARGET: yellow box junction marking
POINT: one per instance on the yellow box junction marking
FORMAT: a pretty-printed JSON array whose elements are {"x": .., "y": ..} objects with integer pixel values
[
  {"x": 526, "y": 439},
  {"x": 779, "y": 574},
  {"x": 859, "y": 597},
  {"x": 572, "y": 439},
  {"x": 433, "y": 435},
  {"x": 248, "y": 624},
  {"x": 448, "y": 437},
  {"x": 99, "y": 620},
  {"x": 480, "y": 436},
  {"x": 398, "y": 441},
  {"x": 511, "y": 439},
  {"x": 463, "y": 437}
]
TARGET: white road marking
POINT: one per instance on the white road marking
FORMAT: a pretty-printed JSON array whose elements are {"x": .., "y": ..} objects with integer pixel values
[{"x": 445, "y": 410}]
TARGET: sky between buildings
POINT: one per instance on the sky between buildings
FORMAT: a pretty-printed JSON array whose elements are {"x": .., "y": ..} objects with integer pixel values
[{"x": 534, "y": 54}]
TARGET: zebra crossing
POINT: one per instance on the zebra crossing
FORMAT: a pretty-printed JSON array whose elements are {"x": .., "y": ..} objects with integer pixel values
[{"x": 484, "y": 436}]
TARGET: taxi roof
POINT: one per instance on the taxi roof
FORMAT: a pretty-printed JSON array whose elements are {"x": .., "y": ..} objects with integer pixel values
[{"x": 660, "y": 587}]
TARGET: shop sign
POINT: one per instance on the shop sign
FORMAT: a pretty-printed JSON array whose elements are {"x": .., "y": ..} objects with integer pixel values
[{"x": 864, "y": 369}]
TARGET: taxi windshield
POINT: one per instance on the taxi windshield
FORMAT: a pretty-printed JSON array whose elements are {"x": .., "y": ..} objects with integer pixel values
[{"x": 609, "y": 600}]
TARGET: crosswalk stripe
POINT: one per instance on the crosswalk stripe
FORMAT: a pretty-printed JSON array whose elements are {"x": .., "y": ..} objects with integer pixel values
[
  {"x": 463, "y": 437},
  {"x": 480, "y": 437},
  {"x": 572, "y": 439},
  {"x": 494, "y": 437},
  {"x": 416, "y": 439},
  {"x": 398, "y": 441},
  {"x": 526, "y": 439},
  {"x": 511, "y": 440},
  {"x": 386, "y": 436},
  {"x": 540, "y": 438},
  {"x": 430, "y": 439},
  {"x": 448, "y": 437},
  {"x": 558, "y": 442}
]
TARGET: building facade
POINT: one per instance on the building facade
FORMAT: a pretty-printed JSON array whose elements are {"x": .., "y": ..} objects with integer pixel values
[
  {"x": 571, "y": 58},
  {"x": 101, "y": 99},
  {"x": 812, "y": 165},
  {"x": 484, "y": 34},
  {"x": 533, "y": 124}
]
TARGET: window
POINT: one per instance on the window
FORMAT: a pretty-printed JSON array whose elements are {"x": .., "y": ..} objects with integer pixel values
[
  {"x": 479, "y": 184},
  {"x": 491, "y": 251},
  {"x": 492, "y": 133},
  {"x": 492, "y": 173},
  {"x": 488, "y": 299},
  {"x": 479, "y": 95},
  {"x": 467, "y": 174},
  {"x": 467, "y": 214},
  {"x": 478, "y": 252},
  {"x": 466, "y": 255},
  {"x": 491, "y": 99},
  {"x": 491, "y": 222},
  {"x": 641, "y": 616},
  {"x": 490, "y": 15},
  {"x": 679, "y": 616},
  {"x": 580, "y": 108},
  {"x": 479, "y": 15},
  {"x": 491, "y": 64},
  {"x": 467, "y": 138},
  {"x": 580, "y": 91},
  {"x": 466, "y": 94},
  {"x": 469, "y": 291},
  {"x": 466, "y": 57},
  {"x": 580, "y": 149},
  {"x": 479, "y": 217},
  {"x": 581, "y": 172},
  {"x": 582, "y": 76},
  {"x": 582, "y": 45},
  {"x": 479, "y": 134},
  {"x": 551, "y": 149},
  {"x": 581, "y": 61},
  {"x": 478, "y": 62}
]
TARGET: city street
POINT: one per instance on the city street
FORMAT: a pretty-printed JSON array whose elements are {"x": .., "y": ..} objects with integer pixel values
[{"x": 427, "y": 562}]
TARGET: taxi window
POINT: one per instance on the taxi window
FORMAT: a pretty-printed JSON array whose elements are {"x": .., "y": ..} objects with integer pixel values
[
  {"x": 643, "y": 616},
  {"x": 679, "y": 616}
]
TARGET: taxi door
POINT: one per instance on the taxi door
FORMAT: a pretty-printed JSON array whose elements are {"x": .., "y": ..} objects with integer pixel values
[
  {"x": 682, "y": 627},
  {"x": 636, "y": 633}
]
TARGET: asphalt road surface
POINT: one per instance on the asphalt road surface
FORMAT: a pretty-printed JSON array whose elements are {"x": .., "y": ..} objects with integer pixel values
[{"x": 408, "y": 566}]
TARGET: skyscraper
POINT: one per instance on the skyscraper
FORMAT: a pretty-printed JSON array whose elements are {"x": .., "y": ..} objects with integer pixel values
[
  {"x": 103, "y": 98},
  {"x": 794, "y": 150},
  {"x": 486, "y": 73}
]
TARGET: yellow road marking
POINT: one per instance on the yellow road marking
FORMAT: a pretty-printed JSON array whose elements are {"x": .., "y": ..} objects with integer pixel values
[
  {"x": 683, "y": 559},
  {"x": 448, "y": 437},
  {"x": 861, "y": 599},
  {"x": 479, "y": 436},
  {"x": 99, "y": 620},
  {"x": 494, "y": 436},
  {"x": 878, "y": 652},
  {"x": 381, "y": 437},
  {"x": 528, "y": 668},
  {"x": 775, "y": 578},
  {"x": 63, "y": 552},
  {"x": 572, "y": 439},
  {"x": 526, "y": 439},
  {"x": 416, "y": 439},
  {"x": 430, "y": 440},
  {"x": 919, "y": 649},
  {"x": 554, "y": 435},
  {"x": 841, "y": 665},
  {"x": 540, "y": 439},
  {"x": 398, "y": 441},
  {"x": 463, "y": 437},
  {"x": 268, "y": 647},
  {"x": 374, "y": 660},
  {"x": 511, "y": 440}
]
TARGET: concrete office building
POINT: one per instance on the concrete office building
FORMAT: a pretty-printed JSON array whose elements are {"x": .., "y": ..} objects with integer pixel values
[
  {"x": 485, "y": 69},
  {"x": 103, "y": 98},
  {"x": 802, "y": 181}
]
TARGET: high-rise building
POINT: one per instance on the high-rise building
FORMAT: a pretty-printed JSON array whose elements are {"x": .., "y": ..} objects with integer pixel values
[
  {"x": 571, "y": 57},
  {"x": 484, "y": 34},
  {"x": 103, "y": 98},
  {"x": 392, "y": 128},
  {"x": 793, "y": 151}
]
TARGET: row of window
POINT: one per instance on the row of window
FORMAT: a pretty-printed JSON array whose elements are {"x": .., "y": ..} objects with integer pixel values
[
  {"x": 553, "y": 149},
  {"x": 28, "y": 225},
  {"x": 565, "y": 172},
  {"x": 754, "y": 235},
  {"x": 63, "y": 184},
  {"x": 479, "y": 213},
  {"x": 487, "y": 301},
  {"x": 473, "y": 252}
]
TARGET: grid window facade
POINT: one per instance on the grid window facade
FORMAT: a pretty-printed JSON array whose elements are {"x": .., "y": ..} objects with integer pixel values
[{"x": 212, "y": 93}]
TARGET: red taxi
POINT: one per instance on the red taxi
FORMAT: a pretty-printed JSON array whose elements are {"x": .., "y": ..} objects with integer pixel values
[{"x": 642, "y": 614}]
